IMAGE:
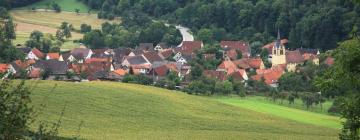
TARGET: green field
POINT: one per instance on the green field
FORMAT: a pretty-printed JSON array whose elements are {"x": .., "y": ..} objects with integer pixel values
[
  {"x": 66, "y": 5},
  {"x": 259, "y": 105},
  {"x": 111, "y": 110}
]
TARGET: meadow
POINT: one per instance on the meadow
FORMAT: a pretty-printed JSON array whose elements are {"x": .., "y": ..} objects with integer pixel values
[
  {"x": 66, "y": 5},
  {"x": 49, "y": 22},
  {"x": 110, "y": 110}
]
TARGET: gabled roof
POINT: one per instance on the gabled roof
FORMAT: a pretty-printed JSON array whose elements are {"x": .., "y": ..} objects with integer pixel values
[
  {"x": 19, "y": 65},
  {"x": 232, "y": 54},
  {"x": 120, "y": 54},
  {"x": 167, "y": 53},
  {"x": 294, "y": 57},
  {"x": 308, "y": 51},
  {"x": 152, "y": 56},
  {"x": 65, "y": 56},
  {"x": 271, "y": 77},
  {"x": 100, "y": 53},
  {"x": 35, "y": 73},
  {"x": 309, "y": 56},
  {"x": 220, "y": 75},
  {"x": 239, "y": 75},
  {"x": 120, "y": 72},
  {"x": 25, "y": 50},
  {"x": 4, "y": 68},
  {"x": 55, "y": 56},
  {"x": 243, "y": 46},
  {"x": 38, "y": 53},
  {"x": 189, "y": 47},
  {"x": 54, "y": 66},
  {"x": 247, "y": 63},
  {"x": 136, "y": 60},
  {"x": 228, "y": 66},
  {"x": 80, "y": 52}
]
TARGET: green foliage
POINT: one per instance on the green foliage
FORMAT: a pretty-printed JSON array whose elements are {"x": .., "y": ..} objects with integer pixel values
[
  {"x": 84, "y": 28},
  {"x": 205, "y": 35},
  {"x": 291, "y": 82},
  {"x": 138, "y": 79},
  {"x": 15, "y": 111},
  {"x": 39, "y": 41},
  {"x": 56, "y": 7}
]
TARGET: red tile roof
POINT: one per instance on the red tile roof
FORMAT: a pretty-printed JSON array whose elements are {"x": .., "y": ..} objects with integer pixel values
[
  {"x": 309, "y": 56},
  {"x": 294, "y": 57},
  {"x": 55, "y": 56},
  {"x": 152, "y": 56},
  {"x": 167, "y": 53},
  {"x": 238, "y": 75},
  {"x": 247, "y": 63},
  {"x": 120, "y": 72},
  {"x": 4, "y": 68},
  {"x": 228, "y": 66},
  {"x": 271, "y": 77},
  {"x": 244, "y": 47},
  {"x": 188, "y": 47},
  {"x": 232, "y": 54},
  {"x": 329, "y": 61},
  {"x": 35, "y": 73},
  {"x": 38, "y": 53}
]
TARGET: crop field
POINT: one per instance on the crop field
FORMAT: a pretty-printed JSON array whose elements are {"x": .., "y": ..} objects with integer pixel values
[{"x": 110, "y": 110}]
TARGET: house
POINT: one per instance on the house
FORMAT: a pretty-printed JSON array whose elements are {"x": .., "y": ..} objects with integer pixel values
[
  {"x": 240, "y": 75},
  {"x": 293, "y": 59},
  {"x": 311, "y": 57},
  {"x": 152, "y": 56},
  {"x": 25, "y": 50},
  {"x": 17, "y": 67},
  {"x": 166, "y": 54},
  {"x": 4, "y": 68},
  {"x": 271, "y": 77},
  {"x": 162, "y": 71},
  {"x": 161, "y": 46},
  {"x": 231, "y": 54},
  {"x": 35, "y": 54},
  {"x": 141, "y": 68},
  {"x": 189, "y": 47},
  {"x": 242, "y": 46},
  {"x": 55, "y": 67},
  {"x": 97, "y": 69},
  {"x": 219, "y": 75},
  {"x": 135, "y": 60},
  {"x": 227, "y": 66},
  {"x": 54, "y": 56},
  {"x": 117, "y": 75},
  {"x": 81, "y": 54},
  {"x": 250, "y": 63},
  {"x": 119, "y": 56},
  {"x": 102, "y": 53}
]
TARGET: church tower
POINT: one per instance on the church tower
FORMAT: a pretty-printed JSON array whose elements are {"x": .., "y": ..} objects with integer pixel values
[{"x": 278, "y": 52}]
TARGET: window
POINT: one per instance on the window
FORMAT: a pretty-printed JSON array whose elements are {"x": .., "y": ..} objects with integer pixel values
[
  {"x": 274, "y": 51},
  {"x": 281, "y": 52}
]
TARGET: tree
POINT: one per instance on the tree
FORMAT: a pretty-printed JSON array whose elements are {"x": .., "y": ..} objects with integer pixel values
[
  {"x": 9, "y": 29},
  {"x": 56, "y": 7},
  {"x": 344, "y": 77},
  {"x": 15, "y": 112},
  {"x": 84, "y": 28},
  {"x": 291, "y": 82},
  {"x": 60, "y": 35},
  {"x": 77, "y": 10},
  {"x": 205, "y": 35}
]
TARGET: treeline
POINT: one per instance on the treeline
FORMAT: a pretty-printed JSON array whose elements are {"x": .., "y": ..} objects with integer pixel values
[
  {"x": 16, "y": 3},
  {"x": 307, "y": 23}
]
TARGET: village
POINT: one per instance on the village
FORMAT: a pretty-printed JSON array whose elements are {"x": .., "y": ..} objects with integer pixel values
[{"x": 156, "y": 61}]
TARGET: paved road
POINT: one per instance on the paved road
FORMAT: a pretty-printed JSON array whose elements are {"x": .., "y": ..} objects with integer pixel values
[{"x": 185, "y": 32}]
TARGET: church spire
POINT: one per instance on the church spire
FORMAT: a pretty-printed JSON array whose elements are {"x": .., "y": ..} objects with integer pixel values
[{"x": 278, "y": 41}]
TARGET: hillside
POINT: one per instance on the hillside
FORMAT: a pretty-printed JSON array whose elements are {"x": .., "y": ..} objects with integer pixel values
[
  {"x": 126, "y": 111},
  {"x": 48, "y": 22}
]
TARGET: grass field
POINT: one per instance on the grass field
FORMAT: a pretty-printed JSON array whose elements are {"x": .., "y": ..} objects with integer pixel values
[
  {"x": 48, "y": 22},
  {"x": 260, "y": 105},
  {"x": 125, "y": 111},
  {"x": 66, "y": 5}
]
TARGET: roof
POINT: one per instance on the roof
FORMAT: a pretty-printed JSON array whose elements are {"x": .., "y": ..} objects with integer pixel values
[
  {"x": 80, "y": 52},
  {"x": 4, "y": 68},
  {"x": 152, "y": 56},
  {"x": 329, "y": 61},
  {"x": 163, "y": 45},
  {"x": 247, "y": 63},
  {"x": 53, "y": 56},
  {"x": 25, "y": 50},
  {"x": 167, "y": 53},
  {"x": 97, "y": 60},
  {"x": 232, "y": 54},
  {"x": 239, "y": 75},
  {"x": 228, "y": 66},
  {"x": 244, "y": 47},
  {"x": 294, "y": 57},
  {"x": 189, "y": 47},
  {"x": 120, "y": 72},
  {"x": 38, "y": 53},
  {"x": 120, "y": 54},
  {"x": 220, "y": 75},
  {"x": 54, "y": 66},
  {"x": 100, "y": 53},
  {"x": 65, "y": 56},
  {"x": 136, "y": 60},
  {"x": 18, "y": 64},
  {"x": 309, "y": 56},
  {"x": 35, "y": 73},
  {"x": 308, "y": 51},
  {"x": 270, "y": 77}
]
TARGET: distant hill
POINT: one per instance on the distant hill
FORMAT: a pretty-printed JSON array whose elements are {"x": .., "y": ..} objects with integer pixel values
[{"x": 126, "y": 111}]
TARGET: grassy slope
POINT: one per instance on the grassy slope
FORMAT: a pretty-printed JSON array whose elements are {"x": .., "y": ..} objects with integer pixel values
[
  {"x": 256, "y": 104},
  {"x": 66, "y": 5},
  {"x": 48, "y": 22},
  {"x": 126, "y": 111}
]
